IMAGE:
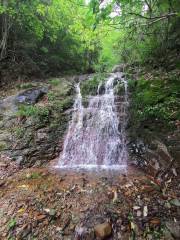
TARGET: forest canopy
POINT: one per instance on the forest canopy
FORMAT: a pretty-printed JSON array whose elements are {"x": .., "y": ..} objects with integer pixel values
[{"x": 40, "y": 37}]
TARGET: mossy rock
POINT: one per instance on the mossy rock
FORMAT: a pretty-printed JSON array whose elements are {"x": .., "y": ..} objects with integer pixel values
[
  {"x": 3, "y": 146},
  {"x": 90, "y": 86}
]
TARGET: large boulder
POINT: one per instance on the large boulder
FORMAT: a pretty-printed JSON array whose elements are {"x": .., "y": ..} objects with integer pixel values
[
  {"x": 9, "y": 105},
  {"x": 31, "y": 96},
  {"x": 152, "y": 156},
  {"x": 34, "y": 139}
]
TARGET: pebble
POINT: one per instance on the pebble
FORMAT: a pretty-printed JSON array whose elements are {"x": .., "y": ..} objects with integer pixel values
[{"x": 103, "y": 230}]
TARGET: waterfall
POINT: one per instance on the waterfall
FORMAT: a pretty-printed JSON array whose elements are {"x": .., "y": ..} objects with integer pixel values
[{"x": 96, "y": 135}]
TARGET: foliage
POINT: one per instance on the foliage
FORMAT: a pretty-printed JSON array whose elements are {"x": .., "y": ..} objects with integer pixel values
[
  {"x": 12, "y": 223},
  {"x": 46, "y": 37},
  {"x": 152, "y": 100},
  {"x": 34, "y": 175},
  {"x": 54, "y": 82},
  {"x": 25, "y": 85},
  {"x": 38, "y": 113},
  {"x": 144, "y": 29},
  {"x": 19, "y": 132},
  {"x": 62, "y": 105}
]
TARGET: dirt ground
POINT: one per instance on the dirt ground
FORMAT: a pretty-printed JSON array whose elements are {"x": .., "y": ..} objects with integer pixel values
[{"x": 43, "y": 203}]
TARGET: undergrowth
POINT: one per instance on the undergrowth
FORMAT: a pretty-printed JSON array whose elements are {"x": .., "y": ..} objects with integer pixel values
[{"x": 157, "y": 98}]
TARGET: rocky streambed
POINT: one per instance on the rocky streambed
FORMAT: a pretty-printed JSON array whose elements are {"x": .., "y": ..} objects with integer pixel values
[{"x": 40, "y": 204}]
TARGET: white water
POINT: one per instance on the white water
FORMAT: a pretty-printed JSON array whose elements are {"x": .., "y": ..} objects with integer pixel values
[{"x": 96, "y": 135}]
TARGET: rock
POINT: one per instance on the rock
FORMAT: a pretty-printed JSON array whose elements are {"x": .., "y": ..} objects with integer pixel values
[
  {"x": 3, "y": 165},
  {"x": 174, "y": 228},
  {"x": 42, "y": 134},
  {"x": 103, "y": 230},
  {"x": 9, "y": 105},
  {"x": 2, "y": 183},
  {"x": 19, "y": 160},
  {"x": 163, "y": 151},
  {"x": 84, "y": 233},
  {"x": 51, "y": 212},
  {"x": 31, "y": 96},
  {"x": 167, "y": 235},
  {"x": 119, "y": 68}
]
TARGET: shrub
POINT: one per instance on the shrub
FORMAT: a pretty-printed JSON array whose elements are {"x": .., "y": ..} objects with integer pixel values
[{"x": 39, "y": 113}]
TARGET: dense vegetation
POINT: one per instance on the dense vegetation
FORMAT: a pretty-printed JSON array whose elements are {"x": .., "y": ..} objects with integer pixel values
[
  {"x": 41, "y": 37},
  {"x": 52, "y": 36}
]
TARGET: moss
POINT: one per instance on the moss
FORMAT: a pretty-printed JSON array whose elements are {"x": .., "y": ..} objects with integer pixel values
[
  {"x": 62, "y": 104},
  {"x": 54, "y": 81},
  {"x": 38, "y": 113},
  {"x": 26, "y": 85},
  {"x": 3, "y": 146},
  {"x": 19, "y": 132},
  {"x": 90, "y": 86},
  {"x": 156, "y": 99}
]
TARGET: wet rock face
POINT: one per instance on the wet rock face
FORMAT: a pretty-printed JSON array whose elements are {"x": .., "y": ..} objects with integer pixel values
[
  {"x": 119, "y": 68},
  {"x": 35, "y": 138},
  {"x": 152, "y": 156}
]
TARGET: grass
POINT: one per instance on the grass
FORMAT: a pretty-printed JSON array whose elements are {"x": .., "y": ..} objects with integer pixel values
[
  {"x": 36, "y": 112},
  {"x": 156, "y": 99},
  {"x": 25, "y": 85},
  {"x": 33, "y": 175},
  {"x": 12, "y": 223},
  {"x": 54, "y": 81}
]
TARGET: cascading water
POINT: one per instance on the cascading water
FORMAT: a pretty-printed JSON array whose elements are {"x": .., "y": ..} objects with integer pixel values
[{"x": 96, "y": 135}]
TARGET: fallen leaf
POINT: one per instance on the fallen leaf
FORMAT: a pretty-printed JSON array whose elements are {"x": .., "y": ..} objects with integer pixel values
[
  {"x": 136, "y": 207},
  {"x": 155, "y": 221},
  {"x": 21, "y": 210},
  {"x": 145, "y": 211},
  {"x": 41, "y": 217}
]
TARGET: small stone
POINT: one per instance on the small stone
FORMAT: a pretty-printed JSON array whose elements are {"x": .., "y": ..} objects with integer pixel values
[
  {"x": 139, "y": 213},
  {"x": 52, "y": 212},
  {"x": 3, "y": 165},
  {"x": 103, "y": 230}
]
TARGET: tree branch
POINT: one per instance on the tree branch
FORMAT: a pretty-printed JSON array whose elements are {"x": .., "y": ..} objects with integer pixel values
[{"x": 153, "y": 18}]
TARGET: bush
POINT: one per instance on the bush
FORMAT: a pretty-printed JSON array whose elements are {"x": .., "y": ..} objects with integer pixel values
[
  {"x": 157, "y": 99},
  {"x": 38, "y": 113}
]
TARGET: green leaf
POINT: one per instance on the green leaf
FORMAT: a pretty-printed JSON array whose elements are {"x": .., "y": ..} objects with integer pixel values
[
  {"x": 175, "y": 202},
  {"x": 12, "y": 223}
]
